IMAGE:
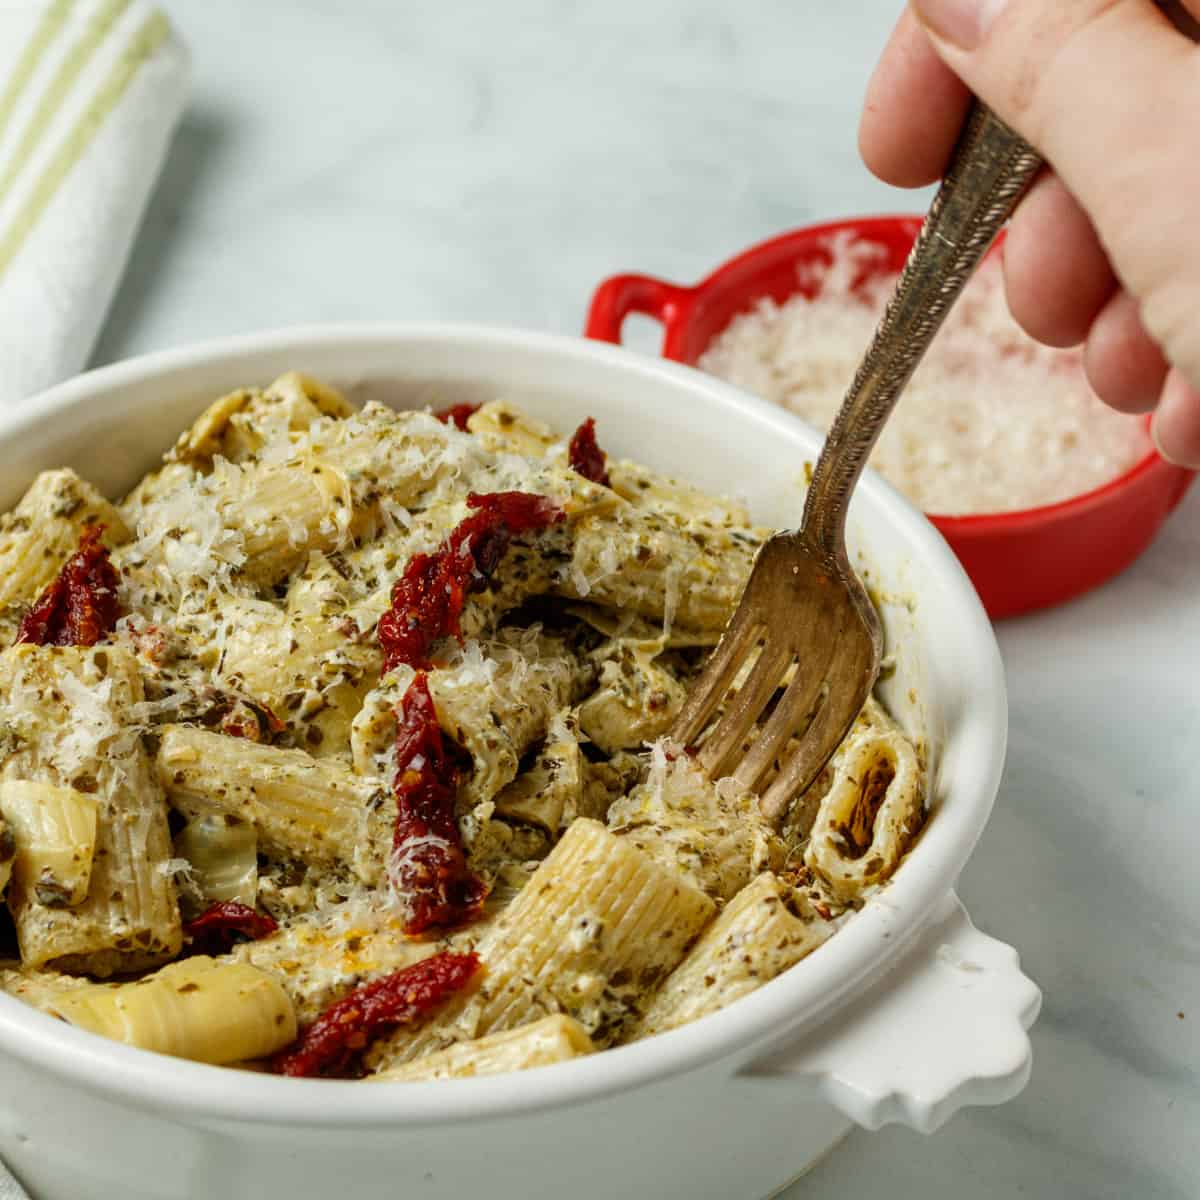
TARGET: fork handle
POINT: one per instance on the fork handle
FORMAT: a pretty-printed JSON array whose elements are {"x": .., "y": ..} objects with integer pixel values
[{"x": 989, "y": 171}]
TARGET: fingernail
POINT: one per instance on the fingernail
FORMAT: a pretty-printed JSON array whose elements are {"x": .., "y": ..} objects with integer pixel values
[{"x": 962, "y": 23}]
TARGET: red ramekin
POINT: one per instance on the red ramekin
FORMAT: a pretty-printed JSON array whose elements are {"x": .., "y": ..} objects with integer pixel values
[{"x": 1019, "y": 561}]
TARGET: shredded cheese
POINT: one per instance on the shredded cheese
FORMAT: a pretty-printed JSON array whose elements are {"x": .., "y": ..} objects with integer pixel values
[{"x": 990, "y": 422}]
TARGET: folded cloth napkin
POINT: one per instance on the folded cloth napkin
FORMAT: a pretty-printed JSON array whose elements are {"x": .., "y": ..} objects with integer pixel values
[
  {"x": 10, "y": 1189},
  {"x": 90, "y": 92}
]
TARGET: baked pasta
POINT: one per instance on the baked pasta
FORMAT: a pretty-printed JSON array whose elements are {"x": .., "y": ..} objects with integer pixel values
[{"x": 338, "y": 748}]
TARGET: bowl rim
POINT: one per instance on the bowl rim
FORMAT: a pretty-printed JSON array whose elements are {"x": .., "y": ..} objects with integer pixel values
[
  {"x": 964, "y": 524},
  {"x": 798, "y": 1000}
]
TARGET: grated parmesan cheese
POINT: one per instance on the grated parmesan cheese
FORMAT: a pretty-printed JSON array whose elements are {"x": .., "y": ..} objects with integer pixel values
[
  {"x": 991, "y": 421},
  {"x": 93, "y": 725}
]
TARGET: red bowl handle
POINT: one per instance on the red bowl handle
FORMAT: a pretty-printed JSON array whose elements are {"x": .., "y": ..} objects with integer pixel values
[{"x": 621, "y": 295}]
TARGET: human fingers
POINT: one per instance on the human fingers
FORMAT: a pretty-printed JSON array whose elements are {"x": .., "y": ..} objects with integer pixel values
[
  {"x": 1176, "y": 422},
  {"x": 1124, "y": 364},
  {"x": 1056, "y": 273},
  {"x": 913, "y": 111},
  {"x": 1108, "y": 90}
]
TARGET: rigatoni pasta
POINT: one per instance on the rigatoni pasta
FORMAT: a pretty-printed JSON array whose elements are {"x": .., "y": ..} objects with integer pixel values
[
  {"x": 199, "y": 1009},
  {"x": 68, "y": 714},
  {"x": 54, "y": 832},
  {"x": 314, "y": 810},
  {"x": 766, "y": 928},
  {"x": 360, "y": 767},
  {"x": 870, "y": 814},
  {"x": 41, "y": 533},
  {"x": 598, "y": 925},
  {"x": 538, "y": 1044},
  {"x": 556, "y": 788}
]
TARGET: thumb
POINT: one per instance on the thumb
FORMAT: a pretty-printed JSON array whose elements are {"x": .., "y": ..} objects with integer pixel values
[{"x": 1109, "y": 92}]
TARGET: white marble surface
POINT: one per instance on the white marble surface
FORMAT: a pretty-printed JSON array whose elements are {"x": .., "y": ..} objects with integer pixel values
[{"x": 493, "y": 161}]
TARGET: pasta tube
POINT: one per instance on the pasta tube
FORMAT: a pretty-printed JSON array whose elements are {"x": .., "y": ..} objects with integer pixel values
[
  {"x": 551, "y": 794},
  {"x": 536, "y": 676},
  {"x": 315, "y": 810},
  {"x": 325, "y": 486},
  {"x": 663, "y": 494},
  {"x": 502, "y": 427},
  {"x": 691, "y": 574},
  {"x": 711, "y": 833},
  {"x": 204, "y": 438},
  {"x": 138, "y": 506},
  {"x": 237, "y": 425},
  {"x": 308, "y": 398},
  {"x": 69, "y": 711},
  {"x": 285, "y": 510},
  {"x": 763, "y": 930},
  {"x": 222, "y": 853},
  {"x": 55, "y": 831},
  {"x": 550, "y": 1040},
  {"x": 495, "y": 703},
  {"x": 310, "y": 668},
  {"x": 42, "y": 532},
  {"x": 869, "y": 815},
  {"x": 637, "y": 698},
  {"x": 597, "y": 926},
  {"x": 385, "y": 452},
  {"x": 614, "y": 624},
  {"x": 199, "y": 1009},
  {"x": 318, "y": 963}
]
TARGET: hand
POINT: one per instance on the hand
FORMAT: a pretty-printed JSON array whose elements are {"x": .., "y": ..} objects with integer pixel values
[{"x": 1105, "y": 248}]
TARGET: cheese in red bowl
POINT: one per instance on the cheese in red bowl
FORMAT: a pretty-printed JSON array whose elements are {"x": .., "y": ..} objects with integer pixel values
[{"x": 1042, "y": 491}]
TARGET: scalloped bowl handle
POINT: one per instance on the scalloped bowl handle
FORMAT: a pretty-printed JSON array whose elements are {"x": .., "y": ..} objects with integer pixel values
[{"x": 944, "y": 1030}]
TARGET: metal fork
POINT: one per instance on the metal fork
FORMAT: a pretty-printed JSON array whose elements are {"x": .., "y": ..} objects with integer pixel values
[{"x": 803, "y": 603}]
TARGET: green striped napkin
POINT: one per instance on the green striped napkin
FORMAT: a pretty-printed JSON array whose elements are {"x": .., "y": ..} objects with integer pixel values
[{"x": 90, "y": 92}]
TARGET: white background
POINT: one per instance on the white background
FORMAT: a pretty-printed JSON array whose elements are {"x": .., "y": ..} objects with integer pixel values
[{"x": 493, "y": 161}]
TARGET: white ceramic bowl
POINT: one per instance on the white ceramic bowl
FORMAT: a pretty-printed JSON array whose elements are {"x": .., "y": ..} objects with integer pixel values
[{"x": 906, "y": 1015}]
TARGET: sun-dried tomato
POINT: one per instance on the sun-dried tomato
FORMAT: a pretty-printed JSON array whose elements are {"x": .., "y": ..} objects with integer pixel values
[
  {"x": 79, "y": 607},
  {"x": 421, "y": 609},
  {"x": 457, "y": 415},
  {"x": 585, "y": 456},
  {"x": 428, "y": 868},
  {"x": 334, "y": 1040},
  {"x": 427, "y": 600},
  {"x": 498, "y": 518},
  {"x": 221, "y": 926}
]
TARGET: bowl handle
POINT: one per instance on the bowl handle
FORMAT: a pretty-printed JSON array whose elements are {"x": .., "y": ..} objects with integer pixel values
[
  {"x": 620, "y": 295},
  {"x": 944, "y": 1029}
]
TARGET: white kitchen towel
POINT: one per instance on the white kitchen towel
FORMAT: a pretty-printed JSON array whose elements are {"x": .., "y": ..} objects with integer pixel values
[
  {"x": 90, "y": 93},
  {"x": 10, "y": 1189}
]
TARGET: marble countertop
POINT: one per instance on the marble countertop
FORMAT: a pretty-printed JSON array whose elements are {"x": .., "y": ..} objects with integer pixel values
[{"x": 493, "y": 161}]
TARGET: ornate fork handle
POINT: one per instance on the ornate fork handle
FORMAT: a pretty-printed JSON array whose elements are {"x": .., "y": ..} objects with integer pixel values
[{"x": 989, "y": 171}]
